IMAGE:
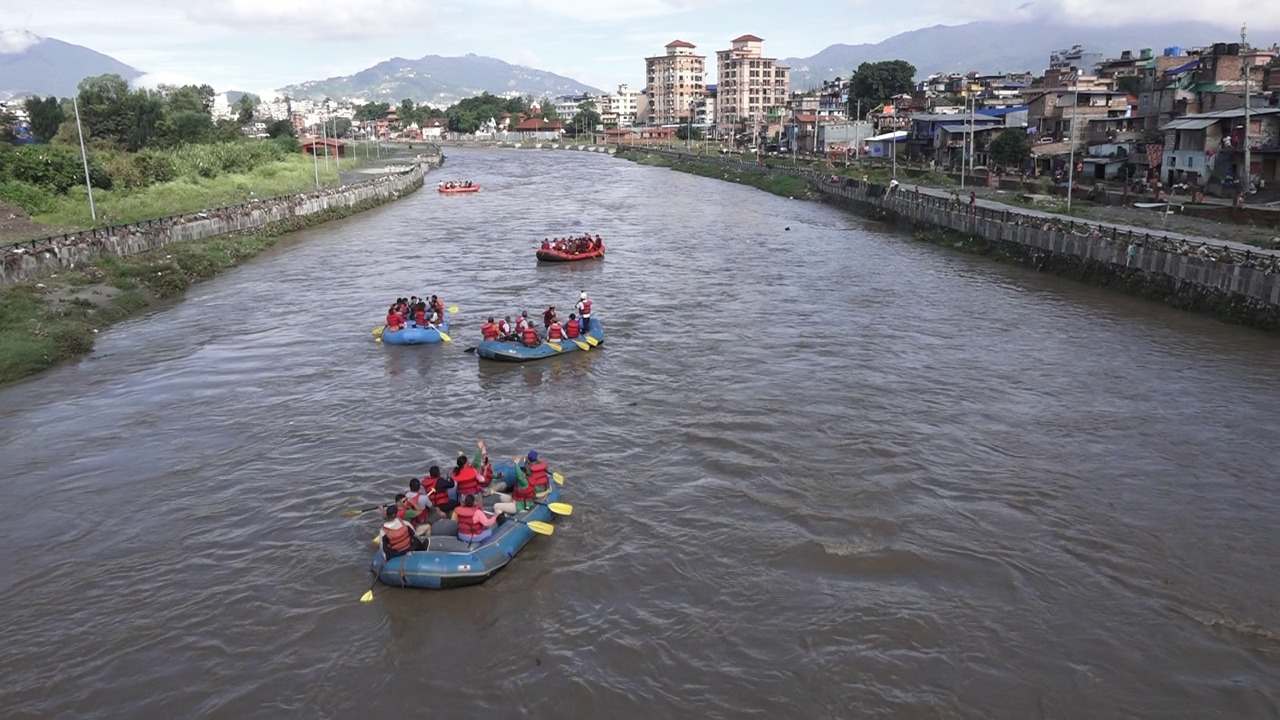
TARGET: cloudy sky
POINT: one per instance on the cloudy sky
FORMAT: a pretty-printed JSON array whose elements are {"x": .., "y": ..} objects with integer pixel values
[{"x": 262, "y": 44}]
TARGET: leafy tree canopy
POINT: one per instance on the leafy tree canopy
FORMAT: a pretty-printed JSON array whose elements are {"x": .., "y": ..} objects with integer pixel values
[{"x": 873, "y": 83}]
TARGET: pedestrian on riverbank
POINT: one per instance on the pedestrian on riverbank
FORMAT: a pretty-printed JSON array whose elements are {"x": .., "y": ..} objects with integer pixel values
[{"x": 973, "y": 203}]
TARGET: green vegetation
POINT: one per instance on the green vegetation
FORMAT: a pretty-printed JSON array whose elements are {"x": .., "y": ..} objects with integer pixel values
[
  {"x": 1011, "y": 149},
  {"x": 48, "y": 181},
  {"x": 778, "y": 184},
  {"x": 46, "y": 322},
  {"x": 873, "y": 83}
]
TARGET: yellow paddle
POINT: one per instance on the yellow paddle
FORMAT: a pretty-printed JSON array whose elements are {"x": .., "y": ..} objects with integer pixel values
[
  {"x": 444, "y": 336},
  {"x": 558, "y": 478},
  {"x": 453, "y": 309},
  {"x": 377, "y": 332},
  {"x": 554, "y": 346},
  {"x": 559, "y": 508},
  {"x": 539, "y": 527},
  {"x": 582, "y": 346},
  {"x": 594, "y": 342}
]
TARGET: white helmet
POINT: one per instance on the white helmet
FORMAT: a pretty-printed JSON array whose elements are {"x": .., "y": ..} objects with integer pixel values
[{"x": 584, "y": 295}]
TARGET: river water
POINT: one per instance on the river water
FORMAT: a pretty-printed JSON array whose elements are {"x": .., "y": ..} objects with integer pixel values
[{"x": 819, "y": 470}]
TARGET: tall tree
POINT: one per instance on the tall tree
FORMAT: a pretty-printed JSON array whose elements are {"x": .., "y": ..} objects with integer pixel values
[
  {"x": 245, "y": 107},
  {"x": 873, "y": 83},
  {"x": 7, "y": 122},
  {"x": 45, "y": 117},
  {"x": 104, "y": 108},
  {"x": 1011, "y": 149},
  {"x": 585, "y": 120}
]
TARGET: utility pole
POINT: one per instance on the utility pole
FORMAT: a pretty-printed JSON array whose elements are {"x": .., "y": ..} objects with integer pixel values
[
  {"x": 1071, "y": 154},
  {"x": 1248, "y": 167},
  {"x": 964, "y": 143},
  {"x": 84, "y": 157}
]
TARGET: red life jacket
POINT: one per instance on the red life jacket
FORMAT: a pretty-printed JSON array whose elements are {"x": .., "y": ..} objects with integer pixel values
[
  {"x": 523, "y": 494},
  {"x": 487, "y": 473},
  {"x": 468, "y": 481},
  {"x": 439, "y": 307},
  {"x": 555, "y": 332},
  {"x": 571, "y": 328},
  {"x": 586, "y": 308},
  {"x": 394, "y": 321},
  {"x": 399, "y": 536},
  {"x": 468, "y": 523},
  {"x": 530, "y": 335},
  {"x": 417, "y": 499},
  {"x": 421, "y": 317},
  {"x": 489, "y": 331},
  {"x": 538, "y": 476},
  {"x": 439, "y": 495}
]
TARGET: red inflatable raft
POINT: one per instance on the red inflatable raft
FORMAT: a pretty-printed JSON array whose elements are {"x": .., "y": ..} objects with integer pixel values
[
  {"x": 549, "y": 255},
  {"x": 451, "y": 190}
]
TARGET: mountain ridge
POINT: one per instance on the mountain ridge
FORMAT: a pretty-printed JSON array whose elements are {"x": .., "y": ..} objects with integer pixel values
[{"x": 35, "y": 65}]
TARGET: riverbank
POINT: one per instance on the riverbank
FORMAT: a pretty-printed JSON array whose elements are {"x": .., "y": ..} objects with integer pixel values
[
  {"x": 53, "y": 316},
  {"x": 778, "y": 184},
  {"x": 1226, "y": 280}
]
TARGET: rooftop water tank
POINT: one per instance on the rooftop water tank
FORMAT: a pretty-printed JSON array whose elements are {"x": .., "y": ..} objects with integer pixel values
[{"x": 1174, "y": 51}]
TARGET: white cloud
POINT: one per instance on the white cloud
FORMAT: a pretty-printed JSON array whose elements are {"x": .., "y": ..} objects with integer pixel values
[
  {"x": 165, "y": 77},
  {"x": 329, "y": 19},
  {"x": 13, "y": 42}
]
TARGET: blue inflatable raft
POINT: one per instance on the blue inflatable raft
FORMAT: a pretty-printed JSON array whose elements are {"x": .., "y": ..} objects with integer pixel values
[
  {"x": 512, "y": 351},
  {"x": 414, "y": 334},
  {"x": 448, "y": 562}
]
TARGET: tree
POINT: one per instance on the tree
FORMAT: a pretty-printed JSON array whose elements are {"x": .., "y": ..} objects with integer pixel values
[
  {"x": 280, "y": 128},
  {"x": 245, "y": 107},
  {"x": 1011, "y": 149},
  {"x": 874, "y": 83},
  {"x": 371, "y": 110},
  {"x": 45, "y": 117},
  {"x": 585, "y": 120},
  {"x": 7, "y": 122},
  {"x": 1131, "y": 84},
  {"x": 688, "y": 132},
  {"x": 340, "y": 126}
]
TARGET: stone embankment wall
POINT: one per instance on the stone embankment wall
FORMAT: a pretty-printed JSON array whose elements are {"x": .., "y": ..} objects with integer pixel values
[
  {"x": 35, "y": 257},
  {"x": 1229, "y": 283}
]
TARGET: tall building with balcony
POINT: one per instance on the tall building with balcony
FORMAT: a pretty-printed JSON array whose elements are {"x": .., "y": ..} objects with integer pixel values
[
  {"x": 673, "y": 82},
  {"x": 752, "y": 89}
]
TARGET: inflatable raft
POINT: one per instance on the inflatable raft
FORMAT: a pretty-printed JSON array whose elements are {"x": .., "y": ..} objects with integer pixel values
[
  {"x": 512, "y": 351},
  {"x": 448, "y": 562},
  {"x": 414, "y": 334},
  {"x": 455, "y": 190},
  {"x": 547, "y": 255}
]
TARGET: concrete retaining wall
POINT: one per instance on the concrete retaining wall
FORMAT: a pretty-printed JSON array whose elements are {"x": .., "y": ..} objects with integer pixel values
[
  {"x": 1238, "y": 285},
  {"x": 35, "y": 257}
]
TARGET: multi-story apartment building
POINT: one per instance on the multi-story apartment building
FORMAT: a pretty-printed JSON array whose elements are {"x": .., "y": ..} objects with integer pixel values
[
  {"x": 673, "y": 82},
  {"x": 619, "y": 109},
  {"x": 752, "y": 89}
]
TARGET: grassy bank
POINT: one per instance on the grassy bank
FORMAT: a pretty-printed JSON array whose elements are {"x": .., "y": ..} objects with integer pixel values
[
  {"x": 780, "y": 184},
  {"x": 55, "y": 318}
]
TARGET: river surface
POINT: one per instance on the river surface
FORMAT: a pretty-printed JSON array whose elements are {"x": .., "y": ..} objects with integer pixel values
[{"x": 819, "y": 470}]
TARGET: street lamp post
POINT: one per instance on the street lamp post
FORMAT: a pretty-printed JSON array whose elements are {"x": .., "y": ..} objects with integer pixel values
[
  {"x": 1248, "y": 166},
  {"x": 1071, "y": 152}
]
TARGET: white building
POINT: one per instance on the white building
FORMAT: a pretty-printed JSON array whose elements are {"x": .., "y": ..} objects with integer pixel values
[
  {"x": 673, "y": 81},
  {"x": 751, "y": 88},
  {"x": 619, "y": 109}
]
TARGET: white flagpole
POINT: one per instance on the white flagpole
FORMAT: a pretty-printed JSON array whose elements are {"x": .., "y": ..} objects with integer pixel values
[{"x": 84, "y": 158}]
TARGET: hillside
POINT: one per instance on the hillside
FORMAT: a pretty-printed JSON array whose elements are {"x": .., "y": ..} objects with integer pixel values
[
  {"x": 438, "y": 81},
  {"x": 34, "y": 65}
]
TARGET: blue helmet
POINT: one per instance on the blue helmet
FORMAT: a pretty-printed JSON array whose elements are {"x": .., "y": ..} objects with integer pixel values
[{"x": 533, "y": 455}]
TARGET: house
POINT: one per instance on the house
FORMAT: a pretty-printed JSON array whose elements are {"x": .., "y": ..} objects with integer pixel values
[
  {"x": 1207, "y": 149},
  {"x": 950, "y": 141},
  {"x": 922, "y": 132},
  {"x": 539, "y": 129},
  {"x": 885, "y": 145},
  {"x": 434, "y": 128}
]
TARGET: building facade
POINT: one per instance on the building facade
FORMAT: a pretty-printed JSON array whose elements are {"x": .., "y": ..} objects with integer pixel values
[
  {"x": 752, "y": 89},
  {"x": 619, "y": 109},
  {"x": 673, "y": 82}
]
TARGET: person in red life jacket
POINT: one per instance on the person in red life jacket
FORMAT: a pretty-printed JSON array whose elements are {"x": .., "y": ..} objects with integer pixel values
[
  {"x": 440, "y": 487},
  {"x": 546, "y": 243},
  {"x": 584, "y": 313},
  {"x": 420, "y": 313},
  {"x": 474, "y": 524},
  {"x": 398, "y": 537},
  {"x": 523, "y": 493},
  {"x": 489, "y": 330},
  {"x": 481, "y": 461},
  {"x": 506, "y": 331},
  {"x": 529, "y": 336},
  {"x": 537, "y": 471},
  {"x": 598, "y": 243},
  {"x": 466, "y": 478},
  {"x": 522, "y": 321},
  {"x": 548, "y": 316},
  {"x": 571, "y": 328},
  {"x": 395, "y": 320},
  {"x": 555, "y": 332}
]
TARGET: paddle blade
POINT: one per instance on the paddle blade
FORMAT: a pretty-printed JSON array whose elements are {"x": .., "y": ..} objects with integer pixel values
[
  {"x": 558, "y": 478},
  {"x": 554, "y": 346},
  {"x": 444, "y": 336},
  {"x": 377, "y": 539},
  {"x": 582, "y": 346},
  {"x": 377, "y": 332},
  {"x": 594, "y": 342},
  {"x": 471, "y": 349},
  {"x": 453, "y": 309},
  {"x": 560, "y": 508},
  {"x": 367, "y": 596},
  {"x": 540, "y": 527},
  {"x": 352, "y": 512}
]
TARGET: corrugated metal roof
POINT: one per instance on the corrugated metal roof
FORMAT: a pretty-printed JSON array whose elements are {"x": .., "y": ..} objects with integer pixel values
[{"x": 1190, "y": 124}]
